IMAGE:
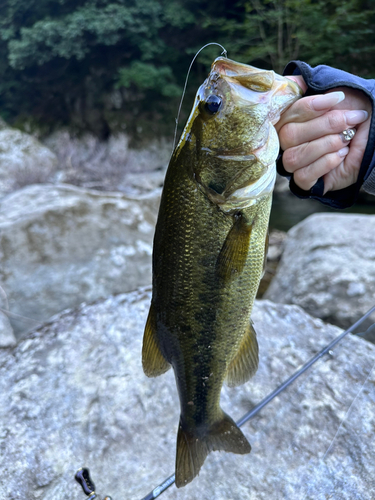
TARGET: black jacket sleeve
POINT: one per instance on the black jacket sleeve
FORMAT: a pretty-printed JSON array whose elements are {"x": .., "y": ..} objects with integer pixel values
[{"x": 319, "y": 80}]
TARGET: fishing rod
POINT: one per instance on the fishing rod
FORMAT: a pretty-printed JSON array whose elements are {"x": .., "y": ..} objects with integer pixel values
[{"x": 83, "y": 476}]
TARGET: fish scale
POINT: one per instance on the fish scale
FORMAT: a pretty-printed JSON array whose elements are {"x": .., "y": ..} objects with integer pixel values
[{"x": 209, "y": 252}]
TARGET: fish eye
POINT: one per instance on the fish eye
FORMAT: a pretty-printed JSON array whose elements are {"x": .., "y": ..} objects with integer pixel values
[{"x": 212, "y": 104}]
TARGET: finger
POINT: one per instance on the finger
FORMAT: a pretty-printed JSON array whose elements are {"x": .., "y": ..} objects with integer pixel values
[
  {"x": 308, "y": 108},
  {"x": 347, "y": 172},
  {"x": 332, "y": 122},
  {"x": 342, "y": 176},
  {"x": 309, "y": 152},
  {"x": 306, "y": 177}
]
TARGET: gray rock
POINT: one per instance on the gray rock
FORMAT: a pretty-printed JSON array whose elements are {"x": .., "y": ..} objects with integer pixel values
[
  {"x": 62, "y": 245},
  {"x": 23, "y": 160},
  {"x": 328, "y": 267},
  {"x": 275, "y": 250},
  {"x": 139, "y": 183},
  {"x": 109, "y": 165},
  {"x": 7, "y": 338},
  {"x": 282, "y": 184},
  {"x": 3, "y": 124},
  {"x": 275, "y": 245},
  {"x": 73, "y": 394}
]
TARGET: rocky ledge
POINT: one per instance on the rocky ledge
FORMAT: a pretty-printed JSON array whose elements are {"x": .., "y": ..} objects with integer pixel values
[
  {"x": 73, "y": 394},
  {"x": 61, "y": 245}
]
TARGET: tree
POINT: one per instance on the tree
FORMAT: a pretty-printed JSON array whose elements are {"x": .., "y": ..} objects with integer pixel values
[
  {"x": 105, "y": 64},
  {"x": 337, "y": 33},
  {"x": 65, "y": 56}
]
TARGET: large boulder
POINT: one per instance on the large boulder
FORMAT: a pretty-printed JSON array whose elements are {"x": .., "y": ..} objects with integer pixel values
[
  {"x": 62, "y": 245},
  {"x": 328, "y": 267},
  {"x": 73, "y": 394},
  {"x": 23, "y": 160}
]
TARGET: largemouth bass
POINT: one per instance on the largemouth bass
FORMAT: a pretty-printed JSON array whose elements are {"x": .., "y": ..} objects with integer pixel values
[{"x": 209, "y": 252}]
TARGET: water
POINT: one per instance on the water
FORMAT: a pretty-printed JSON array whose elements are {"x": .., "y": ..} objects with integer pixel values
[{"x": 288, "y": 210}]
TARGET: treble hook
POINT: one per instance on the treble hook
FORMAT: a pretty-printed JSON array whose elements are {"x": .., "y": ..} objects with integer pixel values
[{"x": 83, "y": 478}]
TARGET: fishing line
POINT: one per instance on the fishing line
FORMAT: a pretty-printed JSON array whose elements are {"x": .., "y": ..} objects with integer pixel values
[
  {"x": 4, "y": 296},
  {"x": 10, "y": 314},
  {"x": 344, "y": 418},
  {"x": 348, "y": 411},
  {"x": 19, "y": 317},
  {"x": 187, "y": 77}
]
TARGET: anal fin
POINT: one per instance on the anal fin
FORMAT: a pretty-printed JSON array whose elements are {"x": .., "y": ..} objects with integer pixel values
[
  {"x": 245, "y": 363},
  {"x": 234, "y": 252},
  {"x": 192, "y": 449},
  {"x": 153, "y": 361}
]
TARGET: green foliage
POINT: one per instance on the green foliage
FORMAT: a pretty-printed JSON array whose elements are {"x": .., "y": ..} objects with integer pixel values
[
  {"x": 319, "y": 31},
  {"x": 75, "y": 34},
  {"x": 61, "y": 61},
  {"x": 146, "y": 76}
]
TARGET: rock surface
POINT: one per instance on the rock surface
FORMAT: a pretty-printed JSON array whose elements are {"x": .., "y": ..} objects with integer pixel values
[
  {"x": 328, "y": 268},
  {"x": 62, "y": 245},
  {"x": 109, "y": 165},
  {"x": 23, "y": 159},
  {"x": 275, "y": 251},
  {"x": 73, "y": 394},
  {"x": 7, "y": 337}
]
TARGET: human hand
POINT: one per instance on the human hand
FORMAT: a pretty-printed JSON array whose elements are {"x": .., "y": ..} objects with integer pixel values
[{"x": 310, "y": 134}]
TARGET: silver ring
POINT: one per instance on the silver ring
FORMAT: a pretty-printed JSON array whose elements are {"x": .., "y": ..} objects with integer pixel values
[{"x": 348, "y": 134}]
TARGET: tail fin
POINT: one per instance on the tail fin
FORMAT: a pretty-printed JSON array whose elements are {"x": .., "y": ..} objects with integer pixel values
[{"x": 193, "y": 450}]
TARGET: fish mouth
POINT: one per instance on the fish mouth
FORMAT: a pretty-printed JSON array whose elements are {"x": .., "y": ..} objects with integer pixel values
[
  {"x": 243, "y": 74},
  {"x": 242, "y": 77}
]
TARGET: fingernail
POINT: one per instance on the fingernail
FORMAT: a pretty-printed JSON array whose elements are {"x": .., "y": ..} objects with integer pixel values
[
  {"x": 326, "y": 101},
  {"x": 354, "y": 117},
  {"x": 343, "y": 152}
]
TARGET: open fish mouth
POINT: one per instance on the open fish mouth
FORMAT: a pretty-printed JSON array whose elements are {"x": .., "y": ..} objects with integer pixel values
[
  {"x": 245, "y": 81},
  {"x": 261, "y": 80}
]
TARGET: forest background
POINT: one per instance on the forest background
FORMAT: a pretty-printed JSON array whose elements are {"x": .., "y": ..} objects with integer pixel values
[{"x": 119, "y": 65}]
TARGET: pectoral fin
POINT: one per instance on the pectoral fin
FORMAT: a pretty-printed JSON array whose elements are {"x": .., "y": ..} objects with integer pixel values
[
  {"x": 153, "y": 361},
  {"x": 233, "y": 255},
  {"x": 245, "y": 363}
]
